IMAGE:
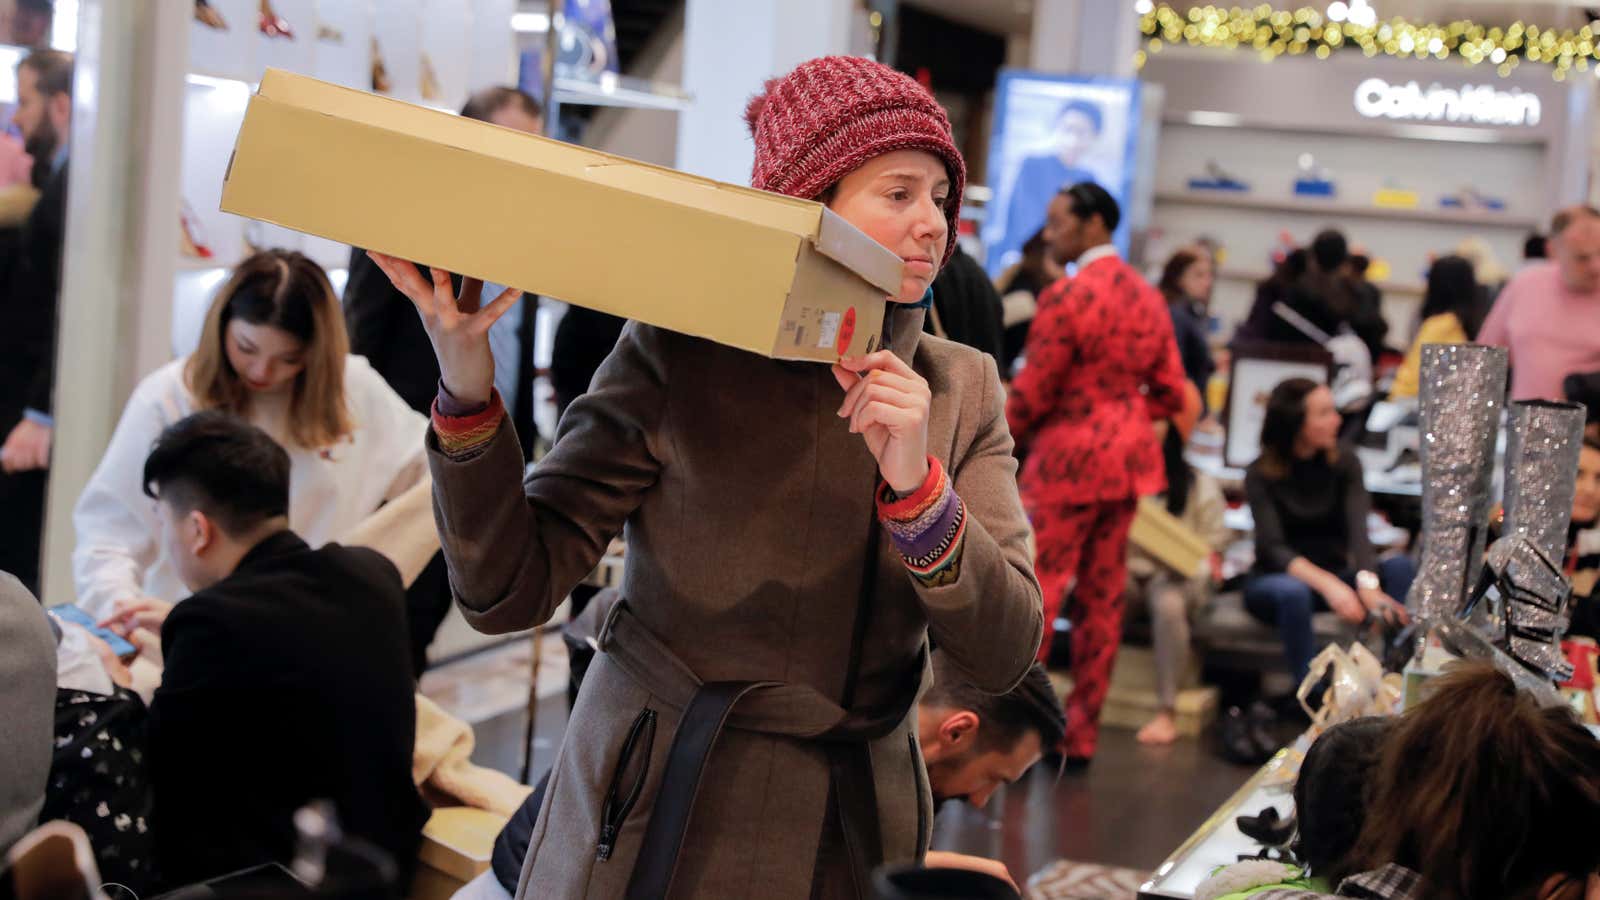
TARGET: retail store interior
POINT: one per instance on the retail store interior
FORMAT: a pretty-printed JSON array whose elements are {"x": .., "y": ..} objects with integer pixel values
[{"x": 421, "y": 474}]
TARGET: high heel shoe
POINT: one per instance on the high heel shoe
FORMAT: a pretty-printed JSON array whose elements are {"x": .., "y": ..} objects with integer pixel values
[
  {"x": 272, "y": 24},
  {"x": 1267, "y": 828},
  {"x": 380, "y": 73},
  {"x": 207, "y": 15}
]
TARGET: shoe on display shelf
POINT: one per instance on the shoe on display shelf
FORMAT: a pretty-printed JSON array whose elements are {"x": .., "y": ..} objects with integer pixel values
[
  {"x": 380, "y": 73},
  {"x": 1217, "y": 179},
  {"x": 191, "y": 235},
  {"x": 1393, "y": 196},
  {"x": 1312, "y": 180},
  {"x": 1471, "y": 198},
  {"x": 272, "y": 24},
  {"x": 207, "y": 15}
]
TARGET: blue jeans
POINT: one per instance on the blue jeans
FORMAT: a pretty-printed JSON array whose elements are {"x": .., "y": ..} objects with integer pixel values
[{"x": 1288, "y": 602}]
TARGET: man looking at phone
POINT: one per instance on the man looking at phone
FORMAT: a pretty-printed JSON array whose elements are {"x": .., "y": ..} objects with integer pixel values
[{"x": 287, "y": 677}]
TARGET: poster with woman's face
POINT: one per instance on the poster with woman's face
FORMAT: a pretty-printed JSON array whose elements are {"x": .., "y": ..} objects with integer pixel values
[{"x": 1050, "y": 132}]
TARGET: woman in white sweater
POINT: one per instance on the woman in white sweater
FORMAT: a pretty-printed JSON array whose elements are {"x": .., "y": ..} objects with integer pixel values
[{"x": 274, "y": 351}]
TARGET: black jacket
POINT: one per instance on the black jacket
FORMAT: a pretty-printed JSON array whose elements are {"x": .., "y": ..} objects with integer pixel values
[
  {"x": 385, "y": 328},
  {"x": 285, "y": 682},
  {"x": 584, "y": 338},
  {"x": 968, "y": 307},
  {"x": 1189, "y": 327},
  {"x": 28, "y": 307}
]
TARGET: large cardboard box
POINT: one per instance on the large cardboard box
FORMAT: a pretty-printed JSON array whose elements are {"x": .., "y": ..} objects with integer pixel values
[{"x": 782, "y": 277}]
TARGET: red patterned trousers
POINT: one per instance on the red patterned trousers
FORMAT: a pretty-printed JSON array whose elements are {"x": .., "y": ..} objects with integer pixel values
[{"x": 1084, "y": 549}]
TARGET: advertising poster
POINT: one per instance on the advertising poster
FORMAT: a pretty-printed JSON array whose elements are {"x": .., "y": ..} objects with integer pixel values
[{"x": 1050, "y": 132}]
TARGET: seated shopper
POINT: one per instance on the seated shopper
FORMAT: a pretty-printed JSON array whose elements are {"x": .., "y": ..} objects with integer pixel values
[
  {"x": 1330, "y": 810},
  {"x": 1310, "y": 503},
  {"x": 286, "y": 678},
  {"x": 1478, "y": 794}
]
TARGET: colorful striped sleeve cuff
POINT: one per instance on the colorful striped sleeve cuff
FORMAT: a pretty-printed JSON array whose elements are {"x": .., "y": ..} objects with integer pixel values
[
  {"x": 927, "y": 527},
  {"x": 461, "y": 436}
]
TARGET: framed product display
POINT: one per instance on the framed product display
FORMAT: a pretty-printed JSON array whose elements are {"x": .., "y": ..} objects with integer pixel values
[
  {"x": 1256, "y": 369},
  {"x": 1051, "y": 132}
]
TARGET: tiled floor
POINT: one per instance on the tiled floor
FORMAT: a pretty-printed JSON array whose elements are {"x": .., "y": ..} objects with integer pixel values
[{"x": 1130, "y": 809}]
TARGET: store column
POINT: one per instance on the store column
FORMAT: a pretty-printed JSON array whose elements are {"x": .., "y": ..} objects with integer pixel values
[
  {"x": 121, "y": 241},
  {"x": 730, "y": 49},
  {"x": 1085, "y": 37}
]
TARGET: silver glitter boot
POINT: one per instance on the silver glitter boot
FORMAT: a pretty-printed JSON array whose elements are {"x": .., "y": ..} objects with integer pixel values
[
  {"x": 1529, "y": 611},
  {"x": 1462, "y": 394}
]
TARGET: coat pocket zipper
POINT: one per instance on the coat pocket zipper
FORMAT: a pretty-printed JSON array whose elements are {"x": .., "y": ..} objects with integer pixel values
[{"x": 616, "y": 806}]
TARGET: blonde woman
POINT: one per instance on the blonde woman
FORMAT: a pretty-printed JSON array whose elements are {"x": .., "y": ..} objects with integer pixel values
[{"x": 274, "y": 353}]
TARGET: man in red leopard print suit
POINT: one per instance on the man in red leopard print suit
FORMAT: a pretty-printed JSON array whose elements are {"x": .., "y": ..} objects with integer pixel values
[{"x": 1101, "y": 366}]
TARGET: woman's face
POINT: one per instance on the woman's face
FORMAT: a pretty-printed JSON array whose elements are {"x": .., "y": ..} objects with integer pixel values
[
  {"x": 266, "y": 358},
  {"x": 898, "y": 200},
  {"x": 1195, "y": 282},
  {"x": 1321, "y": 428},
  {"x": 1586, "y": 499}
]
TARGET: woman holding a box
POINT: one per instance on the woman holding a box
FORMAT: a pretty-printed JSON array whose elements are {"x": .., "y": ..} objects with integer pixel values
[{"x": 795, "y": 534}]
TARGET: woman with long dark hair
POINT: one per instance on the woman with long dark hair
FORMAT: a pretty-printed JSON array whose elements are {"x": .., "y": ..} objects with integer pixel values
[
  {"x": 1310, "y": 505},
  {"x": 1186, "y": 282},
  {"x": 1453, "y": 310},
  {"x": 1481, "y": 794}
]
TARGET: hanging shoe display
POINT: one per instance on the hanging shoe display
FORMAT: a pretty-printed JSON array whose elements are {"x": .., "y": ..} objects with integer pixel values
[
  {"x": 191, "y": 235},
  {"x": 380, "y": 73},
  {"x": 207, "y": 15},
  {"x": 273, "y": 25},
  {"x": 430, "y": 81}
]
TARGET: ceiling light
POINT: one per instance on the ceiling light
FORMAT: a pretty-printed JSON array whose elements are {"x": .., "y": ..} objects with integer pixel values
[{"x": 531, "y": 21}]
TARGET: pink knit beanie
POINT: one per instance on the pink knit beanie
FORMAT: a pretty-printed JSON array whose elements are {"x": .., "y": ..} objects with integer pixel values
[{"x": 830, "y": 115}]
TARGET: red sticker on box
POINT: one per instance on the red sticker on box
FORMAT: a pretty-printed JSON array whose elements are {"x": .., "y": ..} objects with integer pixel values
[{"x": 847, "y": 331}]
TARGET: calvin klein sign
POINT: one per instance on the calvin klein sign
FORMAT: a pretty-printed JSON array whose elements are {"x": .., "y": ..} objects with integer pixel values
[{"x": 1476, "y": 104}]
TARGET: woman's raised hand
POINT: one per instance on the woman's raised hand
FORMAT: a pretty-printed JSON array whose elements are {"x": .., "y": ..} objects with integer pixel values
[
  {"x": 457, "y": 326},
  {"x": 887, "y": 403}
]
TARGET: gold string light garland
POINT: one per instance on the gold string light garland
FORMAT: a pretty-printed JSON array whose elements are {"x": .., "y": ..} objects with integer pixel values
[{"x": 1274, "y": 32}]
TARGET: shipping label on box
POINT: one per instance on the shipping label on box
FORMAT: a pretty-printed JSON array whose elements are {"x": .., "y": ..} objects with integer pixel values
[{"x": 770, "y": 274}]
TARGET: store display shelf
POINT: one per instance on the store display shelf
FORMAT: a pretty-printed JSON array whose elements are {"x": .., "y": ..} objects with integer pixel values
[
  {"x": 621, "y": 91},
  {"x": 1388, "y": 287},
  {"x": 1337, "y": 208},
  {"x": 1400, "y": 131}
]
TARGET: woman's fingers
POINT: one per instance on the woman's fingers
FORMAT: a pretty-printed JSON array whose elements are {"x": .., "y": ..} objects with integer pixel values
[
  {"x": 490, "y": 314},
  {"x": 407, "y": 280},
  {"x": 883, "y": 360},
  {"x": 884, "y": 386},
  {"x": 885, "y": 414}
]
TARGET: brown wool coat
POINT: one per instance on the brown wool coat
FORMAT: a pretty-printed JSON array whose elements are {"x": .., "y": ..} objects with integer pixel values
[{"x": 746, "y": 504}]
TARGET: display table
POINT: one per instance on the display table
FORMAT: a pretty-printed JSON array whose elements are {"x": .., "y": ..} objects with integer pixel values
[{"x": 1218, "y": 841}]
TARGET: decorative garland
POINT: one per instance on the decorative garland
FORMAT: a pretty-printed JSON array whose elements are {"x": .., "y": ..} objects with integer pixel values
[{"x": 1275, "y": 32}]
